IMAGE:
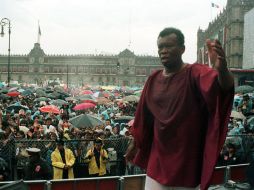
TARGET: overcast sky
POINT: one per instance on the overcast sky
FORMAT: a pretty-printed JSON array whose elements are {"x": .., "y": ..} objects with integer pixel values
[{"x": 103, "y": 26}]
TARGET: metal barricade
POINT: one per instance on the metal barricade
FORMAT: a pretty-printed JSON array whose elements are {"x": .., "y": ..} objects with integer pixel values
[
  {"x": 37, "y": 185},
  {"x": 219, "y": 176},
  {"x": 131, "y": 182},
  {"x": 97, "y": 183},
  {"x": 237, "y": 173}
]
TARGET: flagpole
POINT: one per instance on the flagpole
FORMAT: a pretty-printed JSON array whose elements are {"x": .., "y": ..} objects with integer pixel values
[{"x": 39, "y": 33}]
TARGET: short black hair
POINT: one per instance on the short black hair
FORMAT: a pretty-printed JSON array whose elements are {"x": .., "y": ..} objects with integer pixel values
[
  {"x": 231, "y": 145},
  {"x": 49, "y": 119},
  {"x": 98, "y": 141},
  {"x": 60, "y": 142},
  {"x": 177, "y": 32}
]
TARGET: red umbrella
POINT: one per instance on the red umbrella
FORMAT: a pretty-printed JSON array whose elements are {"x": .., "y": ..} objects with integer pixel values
[
  {"x": 116, "y": 94},
  {"x": 50, "y": 109},
  {"x": 87, "y": 92},
  {"x": 13, "y": 93},
  {"x": 84, "y": 106},
  {"x": 89, "y": 101}
]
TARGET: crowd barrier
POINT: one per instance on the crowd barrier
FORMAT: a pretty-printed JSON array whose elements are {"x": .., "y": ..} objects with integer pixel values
[
  {"x": 7, "y": 153},
  {"x": 221, "y": 176}
]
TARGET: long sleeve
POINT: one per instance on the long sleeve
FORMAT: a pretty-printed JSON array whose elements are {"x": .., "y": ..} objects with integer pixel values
[
  {"x": 71, "y": 158},
  {"x": 56, "y": 161}
]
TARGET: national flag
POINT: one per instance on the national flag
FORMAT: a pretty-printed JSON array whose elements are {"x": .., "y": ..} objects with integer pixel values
[{"x": 215, "y": 5}]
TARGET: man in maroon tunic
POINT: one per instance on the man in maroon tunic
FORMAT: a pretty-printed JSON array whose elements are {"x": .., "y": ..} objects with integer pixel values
[{"x": 181, "y": 120}]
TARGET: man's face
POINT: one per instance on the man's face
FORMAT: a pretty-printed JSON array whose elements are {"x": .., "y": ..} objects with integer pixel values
[
  {"x": 98, "y": 146},
  {"x": 60, "y": 147},
  {"x": 169, "y": 51},
  {"x": 48, "y": 122},
  {"x": 107, "y": 123}
]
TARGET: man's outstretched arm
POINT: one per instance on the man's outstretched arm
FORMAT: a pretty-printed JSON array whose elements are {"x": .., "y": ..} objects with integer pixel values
[{"x": 218, "y": 60}]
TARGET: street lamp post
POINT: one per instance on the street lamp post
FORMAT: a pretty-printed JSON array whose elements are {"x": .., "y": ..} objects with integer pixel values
[
  {"x": 67, "y": 77},
  {"x": 118, "y": 70},
  {"x": 6, "y": 21}
]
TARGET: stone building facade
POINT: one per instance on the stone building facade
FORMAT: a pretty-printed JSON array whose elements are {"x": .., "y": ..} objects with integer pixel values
[
  {"x": 228, "y": 27},
  {"x": 248, "y": 44},
  {"x": 126, "y": 68}
]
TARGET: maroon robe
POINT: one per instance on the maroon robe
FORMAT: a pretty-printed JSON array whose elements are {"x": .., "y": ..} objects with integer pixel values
[{"x": 181, "y": 125}]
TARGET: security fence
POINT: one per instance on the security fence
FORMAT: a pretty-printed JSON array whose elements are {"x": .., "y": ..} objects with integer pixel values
[
  {"x": 14, "y": 158},
  {"x": 13, "y": 155}
]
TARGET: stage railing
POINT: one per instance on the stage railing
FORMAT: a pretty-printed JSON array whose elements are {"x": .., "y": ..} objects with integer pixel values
[{"x": 221, "y": 176}]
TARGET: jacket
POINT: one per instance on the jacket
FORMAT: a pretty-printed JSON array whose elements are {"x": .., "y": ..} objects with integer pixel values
[
  {"x": 58, "y": 164},
  {"x": 92, "y": 165}
]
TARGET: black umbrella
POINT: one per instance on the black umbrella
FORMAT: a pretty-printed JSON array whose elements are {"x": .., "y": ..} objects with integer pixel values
[
  {"x": 4, "y": 91},
  {"x": 53, "y": 83},
  {"x": 16, "y": 107},
  {"x": 123, "y": 119},
  {"x": 85, "y": 120},
  {"x": 41, "y": 93},
  {"x": 58, "y": 102},
  {"x": 41, "y": 99},
  {"x": 4, "y": 96},
  {"x": 52, "y": 96},
  {"x": 85, "y": 97},
  {"x": 26, "y": 92}
]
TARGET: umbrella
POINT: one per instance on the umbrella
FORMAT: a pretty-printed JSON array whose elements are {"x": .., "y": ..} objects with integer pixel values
[
  {"x": 250, "y": 122},
  {"x": 237, "y": 115},
  {"x": 13, "y": 93},
  {"x": 40, "y": 93},
  {"x": 4, "y": 91},
  {"x": 85, "y": 120},
  {"x": 64, "y": 94},
  {"x": 87, "y": 92},
  {"x": 131, "y": 98},
  {"x": 2, "y": 85},
  {"x": 52, "y": 96},
  {"x": 26, "y": 92},
  {"x": 103, "y": 100},
  {"x": 41, "y": 99},
  {"x": 16, "y": 107},
  {"x": 244, "y": 89},
  {"x": 58, "y": 102},
  {"x": 85, "y": 97},
  {"x": 70, "y": 99},
  {"x": 50, "y": 109},
  {"x": 105, "y": 94},
  {"x": 13, "y": 89},
  {"x": 90, "y": 101},
  {"x": 3, "y": 96},
  {"x": 83, "y": 106},
  {"x": 54, "y": 83},
  {"x": 123, "y": 119}
]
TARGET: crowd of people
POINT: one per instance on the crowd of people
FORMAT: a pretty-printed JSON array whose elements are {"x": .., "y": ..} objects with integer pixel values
[
  {"x": 239, "y": 145},
  {"x": 25, "y": 125}
]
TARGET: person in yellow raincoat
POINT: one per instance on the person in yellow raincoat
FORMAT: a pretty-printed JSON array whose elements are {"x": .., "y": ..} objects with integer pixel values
[
  {"x": 97, "y": 157},
  {"x": 62, "y": 161}
]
